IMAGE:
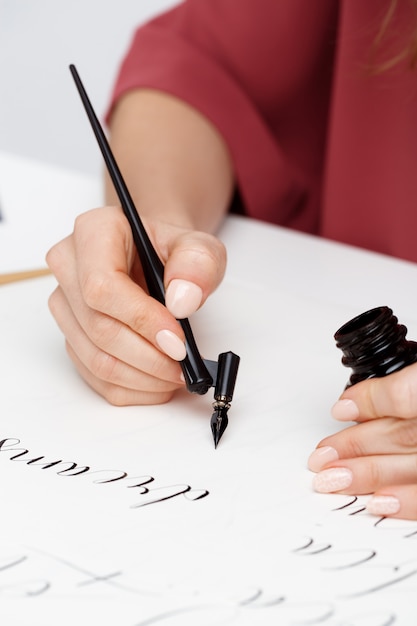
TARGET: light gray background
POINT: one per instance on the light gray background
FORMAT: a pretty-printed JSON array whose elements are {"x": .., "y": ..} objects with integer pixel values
[{"x": 41, "y": 115}]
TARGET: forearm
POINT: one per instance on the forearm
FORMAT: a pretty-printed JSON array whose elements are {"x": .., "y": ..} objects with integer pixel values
[{"x": 175, "y": 163}]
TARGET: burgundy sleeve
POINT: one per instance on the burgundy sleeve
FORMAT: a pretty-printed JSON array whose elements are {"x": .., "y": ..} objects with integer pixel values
[{"x": 216, "y": 55}]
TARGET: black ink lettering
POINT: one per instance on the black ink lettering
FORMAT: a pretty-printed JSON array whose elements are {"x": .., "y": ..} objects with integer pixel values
[
  {"x": 71, "y": 469},
  {"x": 120, "y": 475},
  {"x": 22, "y": 452},
  {"x": 306, "y": 545},
  {"x": 178, "y": 490},
  {"x": 27, "y": 588},
  {"x": 257, "y": 601},
  {"x": 345, "y": 506},
  {"x": 350, "y": 503},
  {"x": 388, "y": 583},
  {"x": 39, "y": 458},
  {"x": 386, "y": 620},
  {"x": 365, "y": 556},
  {"x": 412, "y": 534},
  {"x": 11, "y": 563},
  {"x": 144, "y": 480},
  {"x": 315, "y": 550},
  {"x": 4, "y": 446},
  {"x": 99, "y": 579},
  {"x": 196, "y": 494},
  {"x": 388, "y": 524},
  {"x": 92, "y": 577},
  {"x": 255, "y": 596},
  {"x": 360, "y": 509}
]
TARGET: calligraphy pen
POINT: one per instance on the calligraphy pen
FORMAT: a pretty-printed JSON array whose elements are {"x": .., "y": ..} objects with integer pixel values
[{"x": 200, "y": 374}]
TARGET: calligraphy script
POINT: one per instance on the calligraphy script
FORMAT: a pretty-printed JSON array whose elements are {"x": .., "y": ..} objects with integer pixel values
[
  {"x": 336, "y": 567},
  {"x": 33, "y": 574},
  {"x": 149, "y": 494}
]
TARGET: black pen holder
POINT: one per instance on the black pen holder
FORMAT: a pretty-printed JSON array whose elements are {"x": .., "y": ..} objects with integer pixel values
[{"x": 374, "y": 345}]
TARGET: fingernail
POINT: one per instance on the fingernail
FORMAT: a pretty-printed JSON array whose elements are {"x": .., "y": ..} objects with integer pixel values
[
  {"x": 182, "y": 298},
  {"x": 171, "y": 344},
  {"x": 345, "y": 411},
  {"x": 383, "y": 505},
  {"x": 333, "y": 479},
  {"x": 321, "y": 456}
]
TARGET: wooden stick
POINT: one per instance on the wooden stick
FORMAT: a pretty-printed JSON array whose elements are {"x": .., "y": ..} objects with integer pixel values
[{"x": 14, "y": 277}]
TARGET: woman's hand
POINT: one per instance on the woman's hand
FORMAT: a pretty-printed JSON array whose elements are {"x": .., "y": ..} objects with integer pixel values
[
  {"x": 125, "y": 344},
  {"x": 378, "y": 455}
]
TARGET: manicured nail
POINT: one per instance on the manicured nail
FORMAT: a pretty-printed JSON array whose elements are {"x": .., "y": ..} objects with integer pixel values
[
  {"x": 182, "y": 298},
  {"x": 333, "y": 479},
  {"x": 321, "y": 456},
  {"x": 345, "y": 411},
  {"x": 171, "y": 344},
  {"x": 383, "y": 505}
]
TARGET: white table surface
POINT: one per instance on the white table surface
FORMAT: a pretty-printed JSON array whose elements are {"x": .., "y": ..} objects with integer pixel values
[
  {"x": 242, "y": 555},
  {"x": 38, "y": 204}
]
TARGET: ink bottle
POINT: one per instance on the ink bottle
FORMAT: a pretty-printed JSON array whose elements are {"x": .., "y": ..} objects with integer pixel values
[{"x": 374, "y": 345}]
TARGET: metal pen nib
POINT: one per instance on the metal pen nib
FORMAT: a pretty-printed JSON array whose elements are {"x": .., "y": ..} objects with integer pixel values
[
  {"x": 223, "y": 393},
  {"x": 219, "y": 422}
]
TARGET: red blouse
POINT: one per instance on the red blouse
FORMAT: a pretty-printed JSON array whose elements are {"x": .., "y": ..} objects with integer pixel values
[{"x": 318, "y": 143}]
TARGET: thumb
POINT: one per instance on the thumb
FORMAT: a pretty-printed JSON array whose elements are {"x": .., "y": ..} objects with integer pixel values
[
  {"x": 195, "y": 266},
  {"x": 394, "y": 395}
]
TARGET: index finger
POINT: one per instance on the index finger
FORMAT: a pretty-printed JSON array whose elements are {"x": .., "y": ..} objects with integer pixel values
[{"x": 105, "y": 255}]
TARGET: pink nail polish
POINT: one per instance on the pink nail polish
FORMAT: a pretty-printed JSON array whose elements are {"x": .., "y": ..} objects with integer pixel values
[
  {"x": 171, "y": 344},
  {"x": 345, "y": 411},
  {"x": 383, "y": 505},
  {"x": 320, "y": 457},
  {"x": 182, "y": 298},
  {"x": 334, "y": 479}
]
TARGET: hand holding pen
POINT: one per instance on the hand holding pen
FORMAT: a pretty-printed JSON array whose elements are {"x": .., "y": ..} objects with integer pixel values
[{"x": 116, "y": 334}]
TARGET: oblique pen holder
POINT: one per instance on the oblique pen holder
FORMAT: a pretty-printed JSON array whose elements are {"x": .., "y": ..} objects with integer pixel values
[{"x": 374, "y": 344}]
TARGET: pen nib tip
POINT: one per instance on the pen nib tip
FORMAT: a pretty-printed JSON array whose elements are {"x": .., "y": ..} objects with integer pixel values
[{"x": 219, "y": 421}]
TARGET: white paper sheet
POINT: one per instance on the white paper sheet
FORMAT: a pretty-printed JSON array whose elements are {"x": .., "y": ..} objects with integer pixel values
[
  {"x": 38, "y": 204},
  {"x": 129, "y": 517}
]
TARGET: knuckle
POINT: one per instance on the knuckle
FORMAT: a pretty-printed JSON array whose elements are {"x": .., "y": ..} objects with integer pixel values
[
  {"x": 55, "y": 258},
  {"x": 103, "y": 365},
  {"x": 139, "y": 317},
  {"x": 81, "y": 220},
  {"x": 155, "y": 363},
  {"x": 204, "y": 248},
  {"x": 163, "y": 398},
  {"x": 96, "y": 288},
  {"x": 215, "y": 250},
  {"x": 374, "y": 474},
  {"x": 216, "y": 246},
  {"x": 355, "y": 446},
  {"x": 103, "y": 331},
  {"x": 352, "y": 442},
  {"x": 404, "y": 433},
  {"x": 405, "y": 393}
]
